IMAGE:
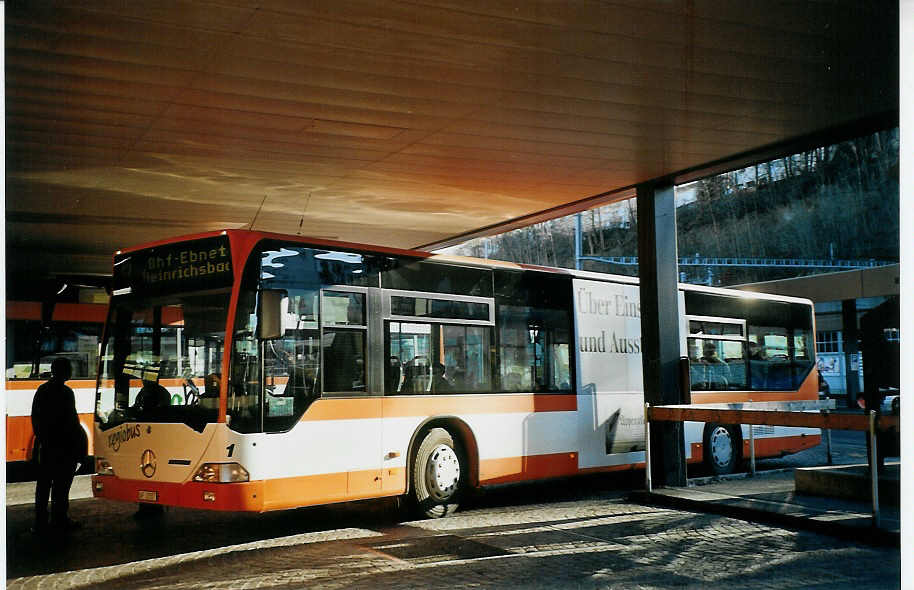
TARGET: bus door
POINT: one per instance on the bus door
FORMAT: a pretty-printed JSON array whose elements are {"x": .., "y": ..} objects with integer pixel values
[{"x": 352, "y": 382}]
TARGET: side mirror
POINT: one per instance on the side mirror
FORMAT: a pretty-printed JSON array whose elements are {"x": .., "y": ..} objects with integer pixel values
[{"x": 269, "y": 314}]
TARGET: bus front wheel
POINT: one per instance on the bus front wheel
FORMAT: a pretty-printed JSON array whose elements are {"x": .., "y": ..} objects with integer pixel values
[
  {"x": 439, "y": 474},
  {"x": 722, "y": 444}
]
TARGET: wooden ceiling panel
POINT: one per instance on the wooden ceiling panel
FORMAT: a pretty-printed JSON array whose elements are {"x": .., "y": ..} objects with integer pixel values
[
  {"x": 37, "y": 111},
  {"x": 402, "y": 123},
  {"x": 54, "y": 21},
  {"x": 122, "y": 49},
  {"x": 295, "y": 92},
  {"x": 765, "y": 122},
  {"x": 185, "y": 14},
  {"x": 634, "y": 128}
]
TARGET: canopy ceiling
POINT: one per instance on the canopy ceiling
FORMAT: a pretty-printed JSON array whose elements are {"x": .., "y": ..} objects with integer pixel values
[{"x": 398, "y": 123}]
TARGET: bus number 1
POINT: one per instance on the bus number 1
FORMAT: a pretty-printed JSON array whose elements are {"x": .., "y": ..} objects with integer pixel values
[{"x": 230, "y": 449}]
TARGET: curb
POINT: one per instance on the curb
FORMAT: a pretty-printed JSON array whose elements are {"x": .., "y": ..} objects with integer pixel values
[
  {"x": 870, "y": 535},
  {"x": 21, "y": 493}
]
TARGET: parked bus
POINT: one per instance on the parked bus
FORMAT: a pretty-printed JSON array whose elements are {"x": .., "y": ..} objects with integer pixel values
[
  {"x": 302, "y": 372},
  {"x": 72, "y": 331}
]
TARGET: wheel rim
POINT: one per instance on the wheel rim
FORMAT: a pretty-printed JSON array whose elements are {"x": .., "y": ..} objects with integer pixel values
[
  {"x": 443, "y": 471},
  {"x": 721, "y": 447}
]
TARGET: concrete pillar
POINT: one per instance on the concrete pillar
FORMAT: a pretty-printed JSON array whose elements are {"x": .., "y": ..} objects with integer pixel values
[{"x": 657, "y": 268}]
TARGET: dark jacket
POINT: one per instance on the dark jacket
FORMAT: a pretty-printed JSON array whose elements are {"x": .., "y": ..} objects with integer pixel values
[{"x": 59, "y": 435}]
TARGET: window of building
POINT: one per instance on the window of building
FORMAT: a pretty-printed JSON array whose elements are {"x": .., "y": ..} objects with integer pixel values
[{"x": 829, "y": 341}]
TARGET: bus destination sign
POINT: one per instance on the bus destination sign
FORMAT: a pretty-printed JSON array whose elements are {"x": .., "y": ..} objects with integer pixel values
[{"x": 172, "y": 268}]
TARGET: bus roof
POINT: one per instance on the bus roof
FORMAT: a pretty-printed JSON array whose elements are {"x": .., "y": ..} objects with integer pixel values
[{"x": 454, "y": 259}]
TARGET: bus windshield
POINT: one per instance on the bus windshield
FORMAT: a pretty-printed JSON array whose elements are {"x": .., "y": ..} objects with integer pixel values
[{"x": 162, "y": 360}]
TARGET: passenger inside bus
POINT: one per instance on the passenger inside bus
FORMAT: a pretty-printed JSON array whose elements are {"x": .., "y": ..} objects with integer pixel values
[
  {"x": 150, "y": 398},
  {"x": 716, "y": 370},
  {"x": 758, "y": 366},
  {"x": 211, "y": 385},
  {"x": 415, "y": 375},
  {"x": 440, "y": 383},
  {"x": 394, "y": 371}
]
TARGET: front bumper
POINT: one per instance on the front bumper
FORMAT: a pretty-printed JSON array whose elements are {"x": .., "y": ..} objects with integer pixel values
[{"x": 240, "y": 497}]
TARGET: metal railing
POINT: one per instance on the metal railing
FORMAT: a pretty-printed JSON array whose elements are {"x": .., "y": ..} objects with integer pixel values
[
  {"x": 809, "y": 414},
  {"x": 751, "y": 262}
]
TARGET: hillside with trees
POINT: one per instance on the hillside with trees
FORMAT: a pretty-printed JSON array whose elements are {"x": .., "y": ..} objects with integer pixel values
[{"x": 834, "y": 202}]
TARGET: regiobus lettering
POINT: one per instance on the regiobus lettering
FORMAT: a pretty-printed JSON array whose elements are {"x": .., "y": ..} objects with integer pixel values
[{"x": 306, "y": 372}]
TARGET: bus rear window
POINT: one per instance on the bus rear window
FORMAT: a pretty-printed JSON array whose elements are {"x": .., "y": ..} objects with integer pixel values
[{"x": 752, "y": 343}]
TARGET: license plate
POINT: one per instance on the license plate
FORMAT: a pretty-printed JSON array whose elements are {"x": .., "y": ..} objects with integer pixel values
[{"x": 145, "y": 496}]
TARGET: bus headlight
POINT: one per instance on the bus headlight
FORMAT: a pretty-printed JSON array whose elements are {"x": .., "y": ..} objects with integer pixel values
[
  {"x": 222, "y": 473},
  {"x": 103, "y": 467}
]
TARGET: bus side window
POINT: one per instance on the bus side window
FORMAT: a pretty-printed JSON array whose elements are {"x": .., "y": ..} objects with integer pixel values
[
  {"x": 21, "y": 336},
  {"x": 344, "y": 360},
  {"x": 769, "y": 358},
  {"x": 437, "y": 358},
  {"x": 466, "y": 357},
  {"x": 533, "y": 317}
]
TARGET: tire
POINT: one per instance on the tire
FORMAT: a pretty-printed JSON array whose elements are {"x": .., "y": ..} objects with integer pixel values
[
  {"x": 722, "y": 448},
  {"x": 439, "y": 474}
]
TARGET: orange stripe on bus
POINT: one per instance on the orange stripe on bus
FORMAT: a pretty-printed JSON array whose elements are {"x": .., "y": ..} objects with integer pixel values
[
  {"x": 81, "y": 312},
  {"x": 344, "y": 409},
  {"x": 95, "y": 313},
  {"x": 432, "y": 405},
  {"x": 505, "y": 403},
  {"x": 20, "y": 436},
  {"x": 511, "y": 469},
  {"x": 611, "y": 468},
  {"x": 782, "y": 445},
  {"x": 34, "y": 383},
  {"x": 304, "y": 491},
  {"x": 90, "y": 383},
  {"x": 23, "y": 310},
  {"x": 767, "y": 447}
]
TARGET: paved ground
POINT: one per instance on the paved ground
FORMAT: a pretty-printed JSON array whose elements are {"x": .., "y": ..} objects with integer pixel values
[{"x": 580, "y": 533}]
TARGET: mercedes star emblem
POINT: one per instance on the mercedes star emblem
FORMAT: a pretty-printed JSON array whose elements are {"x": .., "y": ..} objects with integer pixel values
[{"x": 148, "y": 463}]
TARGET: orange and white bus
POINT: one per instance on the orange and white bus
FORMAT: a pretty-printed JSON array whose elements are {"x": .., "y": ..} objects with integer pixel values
[
  {"x": 310, "y": 372},
  {"x": 72, "y": 331}
]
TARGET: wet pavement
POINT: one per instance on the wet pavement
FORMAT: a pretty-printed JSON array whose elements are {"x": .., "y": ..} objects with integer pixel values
[{"x": 587, "y": 532}]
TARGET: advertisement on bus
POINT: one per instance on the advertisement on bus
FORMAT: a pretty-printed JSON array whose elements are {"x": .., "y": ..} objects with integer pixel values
[{"x": 609, "y": 342}]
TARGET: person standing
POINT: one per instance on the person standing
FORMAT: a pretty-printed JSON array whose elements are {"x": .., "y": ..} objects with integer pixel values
[{"x": 60, "y": 445}]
